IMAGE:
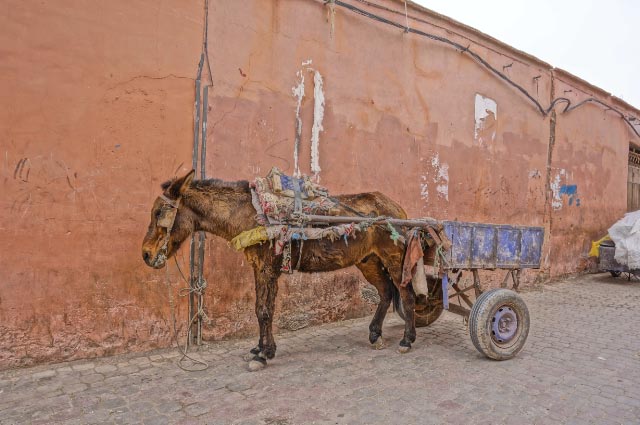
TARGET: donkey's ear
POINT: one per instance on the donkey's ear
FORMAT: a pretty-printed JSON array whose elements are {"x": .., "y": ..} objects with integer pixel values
[
  {"x": 177, "y": 187},
  {"x": 186, "y": 181}
]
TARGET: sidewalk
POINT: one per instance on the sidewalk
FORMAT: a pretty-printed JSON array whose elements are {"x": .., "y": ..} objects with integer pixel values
[{"x": 581, "y": 365}]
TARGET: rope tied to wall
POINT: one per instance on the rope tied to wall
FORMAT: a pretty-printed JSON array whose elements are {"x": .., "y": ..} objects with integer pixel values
[{"x": 200, "y": 365}]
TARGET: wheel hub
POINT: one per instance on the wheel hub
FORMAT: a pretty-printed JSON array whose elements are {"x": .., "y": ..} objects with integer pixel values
[{"x": 504, "y": 325}]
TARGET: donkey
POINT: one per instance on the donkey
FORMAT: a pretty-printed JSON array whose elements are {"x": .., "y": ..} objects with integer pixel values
[{"x": 224, "y": 209}]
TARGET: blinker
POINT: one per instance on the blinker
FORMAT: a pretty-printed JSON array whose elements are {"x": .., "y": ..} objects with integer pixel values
[{"x": 167, "y": 217}]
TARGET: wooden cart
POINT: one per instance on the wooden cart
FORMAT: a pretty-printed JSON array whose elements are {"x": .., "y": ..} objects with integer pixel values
[{"x": 498, "y": 318}]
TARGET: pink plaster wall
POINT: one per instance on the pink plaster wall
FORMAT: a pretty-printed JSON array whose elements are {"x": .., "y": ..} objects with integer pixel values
[{"x": 100, "y": 112}]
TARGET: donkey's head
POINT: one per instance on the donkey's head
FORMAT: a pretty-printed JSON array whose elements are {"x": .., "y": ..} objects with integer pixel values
[{"x": 171, "y": 223}]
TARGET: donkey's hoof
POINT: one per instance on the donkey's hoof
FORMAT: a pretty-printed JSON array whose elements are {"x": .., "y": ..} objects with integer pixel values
[
  {"x": 402, "y": 349},
  {"x": 379, "y": 344},
  {"x": 248, "y": 357},
  {"x": 255, "y": 365}
]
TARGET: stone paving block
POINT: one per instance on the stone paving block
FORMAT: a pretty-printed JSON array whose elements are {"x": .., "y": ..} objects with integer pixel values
[
  {"x": 44, "y": 374},
  {"x": 157, "y": 420},
  {"x": 128, "y": 369},
  {"x": 107, "y": 368},
  {"x": 196, "y": 409},
  {"x": 92, "y": 378},
  {"x": 80, "y": 367}
]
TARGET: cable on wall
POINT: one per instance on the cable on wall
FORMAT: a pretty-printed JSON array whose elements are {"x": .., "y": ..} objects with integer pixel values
[{"x": 477, "y": 58}]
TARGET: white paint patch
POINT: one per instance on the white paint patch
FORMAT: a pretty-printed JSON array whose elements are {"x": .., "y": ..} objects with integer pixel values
[
  {"x": 441, "y": 176},
  {"x": 318, "y": 116},
  {"x": 298, "y": 93},
  {"x": 424, "y": 188},
  {"x": 483, "y": 108},
  {"x": 556, "y": 183}
]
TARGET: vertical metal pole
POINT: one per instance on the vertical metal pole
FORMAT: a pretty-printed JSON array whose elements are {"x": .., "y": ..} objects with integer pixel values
[
  {"x": 193, "y": 278},
  {"x": 201, "y": 236}
]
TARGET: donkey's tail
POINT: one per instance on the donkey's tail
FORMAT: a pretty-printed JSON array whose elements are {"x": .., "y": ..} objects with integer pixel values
[{"x": 397, "y": 302}]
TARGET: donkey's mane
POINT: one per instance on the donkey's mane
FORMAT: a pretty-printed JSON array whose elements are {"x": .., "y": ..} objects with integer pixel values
[{"x": 212, "y": 184}]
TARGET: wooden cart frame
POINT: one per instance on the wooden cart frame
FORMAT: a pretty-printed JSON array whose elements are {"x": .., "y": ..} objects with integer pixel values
[{"x": 498, "y": 318}]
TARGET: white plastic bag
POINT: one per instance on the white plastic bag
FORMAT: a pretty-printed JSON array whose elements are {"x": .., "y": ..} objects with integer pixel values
[{"x": 626, "y": 235}]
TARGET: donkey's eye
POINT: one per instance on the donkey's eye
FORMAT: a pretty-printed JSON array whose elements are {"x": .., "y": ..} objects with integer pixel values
[{"x": 158, "y": 213}]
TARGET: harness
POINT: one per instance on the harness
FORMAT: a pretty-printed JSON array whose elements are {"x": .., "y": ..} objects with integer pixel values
[{"x": 166, "y": 220}]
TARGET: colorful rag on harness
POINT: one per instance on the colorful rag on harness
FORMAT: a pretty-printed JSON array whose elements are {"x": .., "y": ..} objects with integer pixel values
[
  {"x": 282, "y": 235},
  {"x": 273, "y": 197}
]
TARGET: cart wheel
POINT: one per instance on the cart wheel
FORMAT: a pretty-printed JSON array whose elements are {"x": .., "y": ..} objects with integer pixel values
[
  {"x": 615, "y": 274},
  {"x": 499, "y": 324},
  {"x": 427, "y": 310}
]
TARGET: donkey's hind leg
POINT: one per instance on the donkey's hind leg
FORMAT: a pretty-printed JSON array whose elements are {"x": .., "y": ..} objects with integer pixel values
[
  {"x": 373, "y": 270},
  {"x": 392, "y": 264},
  {"x": 408, "y": 305}
]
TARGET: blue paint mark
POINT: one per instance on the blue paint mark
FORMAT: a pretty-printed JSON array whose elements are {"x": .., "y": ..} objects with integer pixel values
[{"x": 569, "y": 189}]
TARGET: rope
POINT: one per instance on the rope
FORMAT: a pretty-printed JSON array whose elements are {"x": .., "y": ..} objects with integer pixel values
[
  {"x": 439, "y": 257},
  {"x": 184, "y": 351},
  {"x": 395, "y": 236}
]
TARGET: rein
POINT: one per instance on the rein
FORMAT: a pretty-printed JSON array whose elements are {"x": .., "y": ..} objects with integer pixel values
[{"x": 166, "y": 220}]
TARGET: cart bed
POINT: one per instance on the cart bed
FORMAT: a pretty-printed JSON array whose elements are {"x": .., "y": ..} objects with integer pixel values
[{"x": 493, "y": 246}]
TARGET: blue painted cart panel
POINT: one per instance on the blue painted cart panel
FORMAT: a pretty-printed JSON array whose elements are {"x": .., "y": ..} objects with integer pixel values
[{"x": 493, "y": 246}]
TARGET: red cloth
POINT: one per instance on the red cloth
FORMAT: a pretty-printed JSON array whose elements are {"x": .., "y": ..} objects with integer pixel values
[{"x": 413, "y": 252}]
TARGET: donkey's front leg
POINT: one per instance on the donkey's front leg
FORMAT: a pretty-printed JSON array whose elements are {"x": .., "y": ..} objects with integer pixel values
[{"x": 266, "y": 279}]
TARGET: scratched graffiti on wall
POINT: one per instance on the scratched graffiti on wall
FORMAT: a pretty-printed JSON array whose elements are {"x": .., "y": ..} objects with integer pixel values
[
  {"x": 42, "y": 179},
  {"x": 563, "y": 192}
]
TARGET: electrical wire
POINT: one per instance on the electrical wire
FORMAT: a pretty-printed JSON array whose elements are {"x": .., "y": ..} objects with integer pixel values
[{"x": 465, "y": 49}]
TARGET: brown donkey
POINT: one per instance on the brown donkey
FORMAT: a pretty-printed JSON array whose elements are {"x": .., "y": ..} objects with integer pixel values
[{"x": 224, "y": 209}]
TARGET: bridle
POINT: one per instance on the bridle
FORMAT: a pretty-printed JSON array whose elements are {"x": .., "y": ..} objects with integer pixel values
[{"x": 166, "y": 220}]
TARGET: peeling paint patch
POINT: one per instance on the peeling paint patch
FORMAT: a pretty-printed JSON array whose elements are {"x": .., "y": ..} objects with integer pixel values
[
  {"x": 424, "y": 188},
  {"x": 486, "y": 113},
  {"x": 534, "y": 174},
  {"x": 298, "y": 93},
  {"x": 440, "y": 176},
  {"x": 556, "y": 201},
  {"x": 318, "y": 116}
]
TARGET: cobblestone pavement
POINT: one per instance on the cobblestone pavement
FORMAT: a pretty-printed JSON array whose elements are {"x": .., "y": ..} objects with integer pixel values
[{"x": 581, "y": 365}]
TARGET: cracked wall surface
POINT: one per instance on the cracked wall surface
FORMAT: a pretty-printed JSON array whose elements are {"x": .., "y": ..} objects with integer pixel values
[{"x": 96, "y": 122}]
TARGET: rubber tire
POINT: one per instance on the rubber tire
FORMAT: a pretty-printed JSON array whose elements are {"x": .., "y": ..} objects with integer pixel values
[
  {"x": 480, "y": 318},
  {"x": 615, "y": 274},
  {"x": 425, "y": 313}
]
